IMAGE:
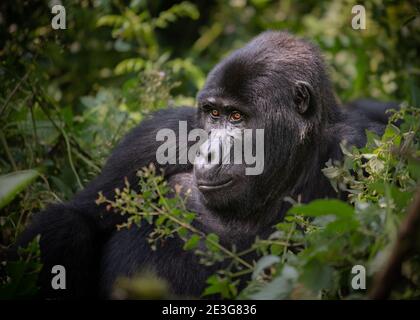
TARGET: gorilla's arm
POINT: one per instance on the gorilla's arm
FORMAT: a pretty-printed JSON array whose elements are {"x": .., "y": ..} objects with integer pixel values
[
  {"x": 136, "y": 150},
  {"x": 73, "y": 233}
]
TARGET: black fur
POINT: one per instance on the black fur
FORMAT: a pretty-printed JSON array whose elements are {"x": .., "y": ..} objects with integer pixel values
[{"x": 283, "y": 84}]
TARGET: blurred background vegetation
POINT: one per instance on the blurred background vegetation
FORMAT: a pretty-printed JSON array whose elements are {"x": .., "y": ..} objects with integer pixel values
[{"x": 67, "y": 96}]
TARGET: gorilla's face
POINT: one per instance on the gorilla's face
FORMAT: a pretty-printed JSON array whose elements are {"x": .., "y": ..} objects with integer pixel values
[
  {"x": 252, "y": 90},
  {"x": 220, "y": 177}
]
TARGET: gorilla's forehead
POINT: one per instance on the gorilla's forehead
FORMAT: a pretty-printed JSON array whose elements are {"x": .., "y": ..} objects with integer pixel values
[
  {"x": 239, "y": 79},
  {"x": 240, "y": 72},
  {"x": 266, "y": 67}
]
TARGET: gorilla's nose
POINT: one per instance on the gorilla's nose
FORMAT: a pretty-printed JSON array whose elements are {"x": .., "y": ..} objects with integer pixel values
[
  {"x": 213, "y": 153},
  {"x": 208, "y": 168},
  {"x": 208, "y": 155}
]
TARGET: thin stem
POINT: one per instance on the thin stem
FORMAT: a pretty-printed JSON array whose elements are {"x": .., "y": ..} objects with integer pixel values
[
  {"x": 241, "y": 273},
  {"x": 13, "y": 92},
  {"x": 7, "y": 150},
  {"x": 87, "y": 160},
  {"x": 31, "y": 107},
  {"x": 117, "y": 132},
  {"x": 283, "y": 258},
  {"x": 281, "y": 243},
  {"x": 66, "y": 139}
]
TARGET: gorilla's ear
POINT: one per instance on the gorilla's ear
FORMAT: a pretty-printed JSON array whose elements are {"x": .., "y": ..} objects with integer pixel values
[{"x": 303, "y": 96}]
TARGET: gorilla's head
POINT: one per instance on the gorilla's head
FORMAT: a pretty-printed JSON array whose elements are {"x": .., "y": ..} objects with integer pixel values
[{"x": 277, "y": 83}]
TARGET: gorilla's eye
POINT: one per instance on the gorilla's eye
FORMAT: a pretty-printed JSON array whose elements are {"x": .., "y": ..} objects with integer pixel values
[
  {"x": 235, "y": 116},
  {"x": 215, "y": 113}
]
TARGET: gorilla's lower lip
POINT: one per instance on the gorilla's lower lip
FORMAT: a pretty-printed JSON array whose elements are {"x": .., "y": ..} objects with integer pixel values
[{"x": 214, "y": 186}]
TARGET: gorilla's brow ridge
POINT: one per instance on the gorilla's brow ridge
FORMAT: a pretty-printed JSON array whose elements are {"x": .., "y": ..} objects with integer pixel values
[{"x": 225, "y": 102}]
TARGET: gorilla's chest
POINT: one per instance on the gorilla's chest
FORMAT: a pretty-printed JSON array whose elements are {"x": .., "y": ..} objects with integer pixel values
[
  {"x": 128, "y": 252},
  {"x": 230, "y": 230},
  {"x": 205, "y": 219}
]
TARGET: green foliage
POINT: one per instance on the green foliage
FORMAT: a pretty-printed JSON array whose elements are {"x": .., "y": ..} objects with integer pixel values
[
  {"x": 68, "y": 96},
  {"x": 143, "y": 286},
  {"x": 135, "y": 30},
  {"x": 18, "y": 278},
  {"x": 13, "y": 183},
  {"x": 338, "y": 236},
  {"x": 167, "y": 212},
  {"x": 312, "y": 252}
]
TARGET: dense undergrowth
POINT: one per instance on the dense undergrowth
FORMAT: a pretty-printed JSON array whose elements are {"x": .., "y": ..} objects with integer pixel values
[{"x": 68, "y": 96}]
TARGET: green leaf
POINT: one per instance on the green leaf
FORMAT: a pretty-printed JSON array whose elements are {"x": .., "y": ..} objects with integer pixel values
[
  {"x": 211, "y": 239},
  {"x": 341, "y": 226},
  {"x": 192, "y": 242},
  {"x": 12, "y": 184},
  {"x": 184, "y": 9},
  {"x": 183, "y": 232},
  {"x": 22, "y": 274},
  {"x": 414, "y": 169},
  {"x": 220, "y": 285},
  {"x": 317, "y": 275},
  {"x": 129, "y": 65},
  {"x": 391, "y": 132},
  {"x": 324, "y": 207},
  {"x": 276, "y": 249},
  {"x": 110, "y": 21},
  {"x": 401, "y": 198}
]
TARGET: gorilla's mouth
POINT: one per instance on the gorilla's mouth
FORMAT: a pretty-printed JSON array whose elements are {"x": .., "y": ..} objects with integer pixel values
[{"x": 211, "y": 185}]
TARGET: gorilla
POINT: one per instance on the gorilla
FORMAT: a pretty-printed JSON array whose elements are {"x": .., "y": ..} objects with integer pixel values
[{"x": 276, "y": 82}]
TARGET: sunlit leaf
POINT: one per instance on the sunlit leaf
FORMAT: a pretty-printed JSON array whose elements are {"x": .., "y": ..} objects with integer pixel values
[{"x": 12, "y": 184}]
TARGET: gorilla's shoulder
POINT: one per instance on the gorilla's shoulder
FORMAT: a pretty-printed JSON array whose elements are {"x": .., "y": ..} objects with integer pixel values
[
  {"x": 146, "y": 131},
  {"x": 138, "y": 147},
  {"x": 356, "y": 117}
]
